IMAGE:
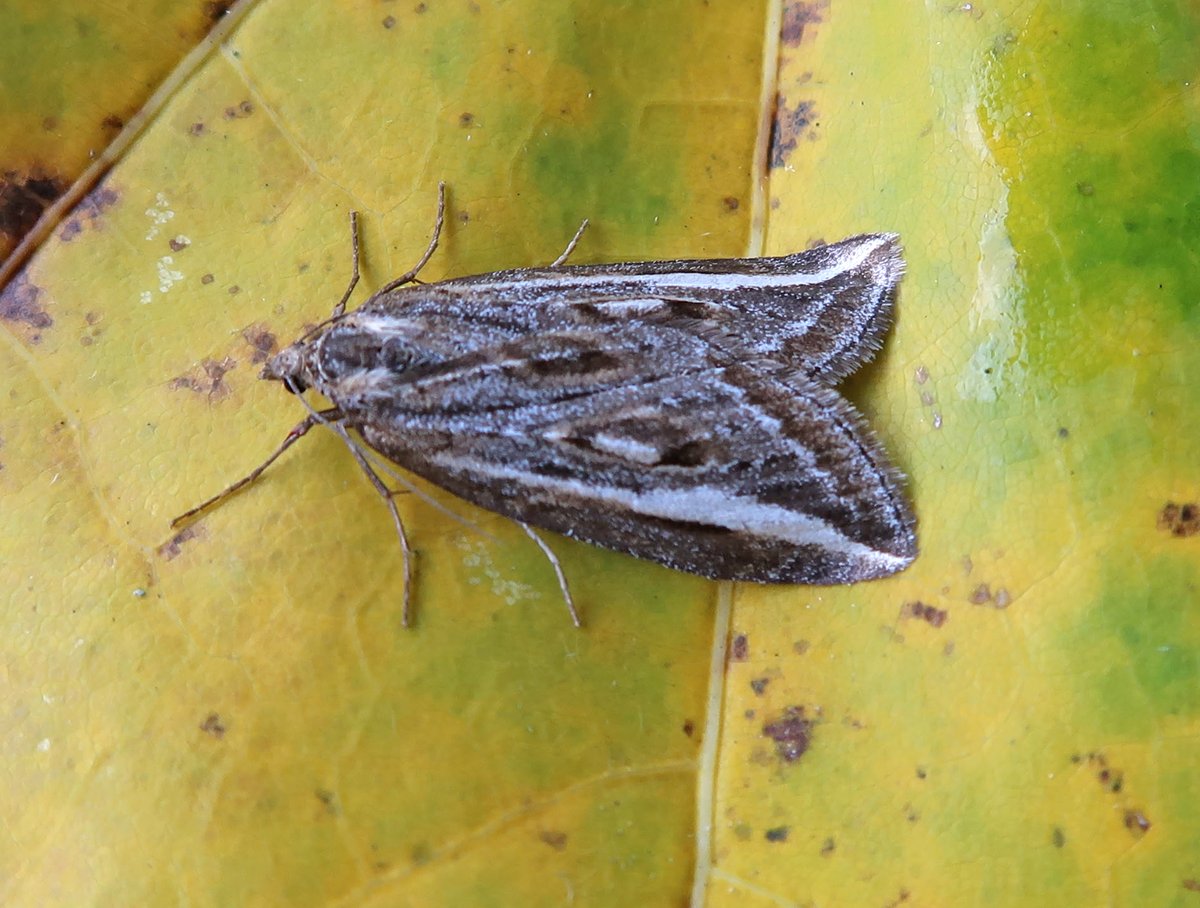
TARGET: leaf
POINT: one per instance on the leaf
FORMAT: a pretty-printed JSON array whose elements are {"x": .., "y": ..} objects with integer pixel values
[
  {"x": 75, "y": 78},
  {"x": 233, "y": 715}
]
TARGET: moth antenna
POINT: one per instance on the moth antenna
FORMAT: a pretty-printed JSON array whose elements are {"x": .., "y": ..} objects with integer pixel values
[
  {"x": 412, "y": 273},
  {"x": 341, "y": 306},
  {"x": 566, "y": 253},
  {"x": 553, "y": 559},
  {"x": 380, "y": 487},
  {"x": 340, "y": 309},
  {"x": 293, "y": 436}
]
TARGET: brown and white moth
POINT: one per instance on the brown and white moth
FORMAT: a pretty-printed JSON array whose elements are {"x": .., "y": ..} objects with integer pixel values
[{"x": 679, "y": 411}]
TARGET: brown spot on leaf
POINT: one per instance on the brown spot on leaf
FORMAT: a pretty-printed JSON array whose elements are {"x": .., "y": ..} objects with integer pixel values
[
  {"x": 262, "y": 341},
  {"x": 212, "y": 725},
  {"x": 689, "y": 728},
  {"x": 466, "y": 118},
  {"x": 1137, "y": 822},
  {"x": 215, "y": 10},
  {"x": 208, "y": 378},
  {"x": 1057, "y": 837},
  {"x": 329, "y": 799},
  {"x": 792, "y": 734},
  {"x": 197, "y": 129},
  {"x": 739, "y": 648},
  {"x": 89, "y": 212},
  {"x": 759, "y": 686},
  {"x": 1180, "y": 519},
  {"x": 1110, "y": 778},
  {"x": 797, "y": 17},
  {"x": 777, "y": 834},
  {"x": 935, "y": 617},
  {"x": 113, "y": 122},
  {"x": 178, "y": 243},
  {"x": 240, "y": 112},
  {"x": 173, "y": 546},
  {"x": 981, "y": 595},
  {"x": 828, "y": 847},
  {"x": 791, "y": 123},
  {"x": 1191, "y": 885},
  {"x": 731, "y": 203},
  {"x": 389, "y": 21},
  {"x": 23, "y": 198},
  {"x": 555, "y": 839},
  {"x": 20, "y": 303},
  {"x": 207, "y": 279}
]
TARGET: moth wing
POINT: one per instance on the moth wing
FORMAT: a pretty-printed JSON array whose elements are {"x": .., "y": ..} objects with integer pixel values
[
  {"x": 823, "y": 312},
  {"x": 723, "y": 472}
]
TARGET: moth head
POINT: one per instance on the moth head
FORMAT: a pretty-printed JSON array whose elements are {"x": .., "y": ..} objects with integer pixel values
[{"x": 290, "y": 366}]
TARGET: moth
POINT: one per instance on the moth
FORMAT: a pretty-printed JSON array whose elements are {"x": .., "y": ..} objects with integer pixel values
[{"x": 678, "y": 411}]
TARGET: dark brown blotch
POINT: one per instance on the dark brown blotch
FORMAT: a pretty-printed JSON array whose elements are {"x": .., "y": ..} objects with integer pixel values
[
  {"x": 173, "y": 546},
  {"x": 688, "y": 454},
  {"x": 591, "y": 314},
  {"x": 799, "y": 16},
  {"x": 1180, "y": 520},
  {"x": 215, "y": 10},
  {"x": 207, "y": 378},
  {"x": 20, "y": 304},
  {"x": 792, "y": 734},
  {"x": 789, "y": 126},
  {"x": 554, "y": 838},
  {"x": 262, "y": 342},
  {"x": 89, "y": 212},
  {"x": 691, "y": 309},
  {"x": 1137, "y": 822},
  {"x": 240, "y": 112},
  {"x": 739, "y": 648},
  {"x": 23, "y": 198},
  {"x": 777, "y": 834},
  {"x": 576, "y": 365},
  {"x": 212, "y": 725},
  {"x": 934, "y": 617}
]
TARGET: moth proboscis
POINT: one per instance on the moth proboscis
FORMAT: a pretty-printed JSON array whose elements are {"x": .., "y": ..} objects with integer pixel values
[{"x": 679, "y": 411}]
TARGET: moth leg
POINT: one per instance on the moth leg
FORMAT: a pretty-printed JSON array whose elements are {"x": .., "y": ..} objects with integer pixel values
[
  {"x": 412, "y": 273},
  {"x": 341, "y": 306},
  {"x": 566, "y": 253},
  {"x": 386, "y": 494},
  {"x": 553, "y": 559},
  {"x": 293, "y": 436}
]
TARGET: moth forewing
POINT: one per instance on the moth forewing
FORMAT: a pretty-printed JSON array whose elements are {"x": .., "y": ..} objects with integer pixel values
[
  {"x": 823, "y": 311},
  {"x": 678, "y": 411}
]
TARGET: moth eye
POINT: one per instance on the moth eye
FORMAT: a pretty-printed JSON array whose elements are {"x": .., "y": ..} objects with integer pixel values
[
  {"x": 395, "y": 356},
  {"x": 296, "y": 385}
]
